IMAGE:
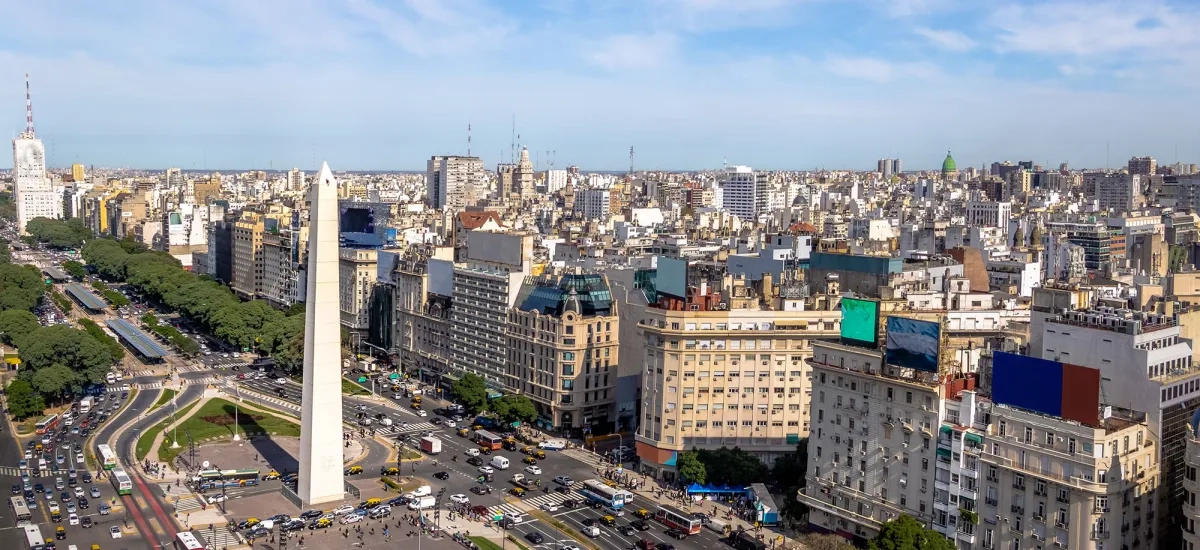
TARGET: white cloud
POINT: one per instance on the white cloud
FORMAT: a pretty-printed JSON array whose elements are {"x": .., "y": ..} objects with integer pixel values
[
  {"x": 1146, "y": 27},
  {"x": 636, "y": 52},
  {"x": 1067, "y": 69},
  {"x": 876, "y": 70},
  {"x": 429, "y": 28},
  {"x": 912, "y": 8},
  {"x": 949, "y": 40}
]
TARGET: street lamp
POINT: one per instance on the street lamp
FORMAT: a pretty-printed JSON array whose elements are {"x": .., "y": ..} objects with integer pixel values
[
  {"x": 174, "y": 411},
  {"x": 236, "y": 436}
]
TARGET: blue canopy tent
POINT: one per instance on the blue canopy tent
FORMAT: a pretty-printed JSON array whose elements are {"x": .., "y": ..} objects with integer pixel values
[{"x": 696, "y": 488}]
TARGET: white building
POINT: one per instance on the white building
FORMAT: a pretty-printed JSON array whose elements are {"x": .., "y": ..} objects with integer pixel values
[
  {"x": 744, "y": 192},
  {"x": 988, "y": 213},
  {"x": 593, "y": 203},
  {"x": 33, "y": 192},
  {"x": 484, "y": 288},
  {"x": 556, "y": 180},
  {"x": 357, "y": 269},
  {"x": 452, "y": 182},
  {"x": 295, "y": 180}
]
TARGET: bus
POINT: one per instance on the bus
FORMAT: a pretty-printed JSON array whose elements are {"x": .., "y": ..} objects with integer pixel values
[
  {"x": 488, "y": 439},
  {"x": 215, "y": 479},
  {"x": 121, "y": 481},
  {"x": 185, "y": 540},
  {"x": 20, "y": 511},
  {"x": 612, "y": 497},
  {"x": 33, "y": 538},
  {"x": 47, "y": 424},
  {"x": 673, "y": 517},
  {"x": 106, "y": 456}
]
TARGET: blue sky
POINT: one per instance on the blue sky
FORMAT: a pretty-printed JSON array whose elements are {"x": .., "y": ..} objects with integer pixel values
[{"x": 779, "y": 84}]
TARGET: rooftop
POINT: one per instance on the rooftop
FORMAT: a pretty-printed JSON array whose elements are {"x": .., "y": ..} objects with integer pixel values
[
  {"x": 136, "y": 338},
  {"x": 85, "y": 297}
]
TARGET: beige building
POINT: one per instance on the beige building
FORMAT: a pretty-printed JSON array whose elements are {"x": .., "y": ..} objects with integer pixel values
[
  {"x": 887, "y": 441},
  {"x": 729, "y": 378},
  {"x": 1191, "y": 513},
  {"x": 283, "y": 254},
  {"x": 358, "y": 273},
  {"x": 247, "y": 255}
]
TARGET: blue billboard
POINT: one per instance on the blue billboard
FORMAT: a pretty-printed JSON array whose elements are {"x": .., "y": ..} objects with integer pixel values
[{"x": 913, "y": 344}]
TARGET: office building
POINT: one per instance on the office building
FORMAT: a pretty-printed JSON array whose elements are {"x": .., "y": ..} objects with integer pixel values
[
  {"x": 593, "y": 204},
  {"x": 295, "y": 180},
  {"x": 451, "y": 182},
  {"x": 556, "y": 180},
  {"x": 1143, "y": 166},
  {"x": 988, "y": 214},
  {"x": 744, "y": 192},
  {"x": 247, "y": 258},
  {"x": 357, "y": 269},
  {"x": 34, "y": 195},
  {"x": 484, "y": 287},
  {"x": 1118, "y": 192}
]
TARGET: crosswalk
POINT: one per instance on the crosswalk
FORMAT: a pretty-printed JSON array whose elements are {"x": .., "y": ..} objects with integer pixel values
[
  {"x": 120, "y": 388},
  {"x": 9, "y": 471},
  {"x": 187, "y": 504},
  {"x": 193, "y": 367},
  {"x": 277, "y": 401},
  {"x": 220, "y": 537},
  {"x": 554, "y": 498},
  {"x": 411, "y": 428}
]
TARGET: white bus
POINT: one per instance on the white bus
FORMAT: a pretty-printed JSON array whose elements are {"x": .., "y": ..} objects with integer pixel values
[
  {"x": 609, "y": 496},
  {"x": 121, "y": 481},
  {"x": 33, "y": 538},
  {"x": 106, "y": 457},
  {"x": 20, "y": 511},
  {"x": 185, "y": 540}
]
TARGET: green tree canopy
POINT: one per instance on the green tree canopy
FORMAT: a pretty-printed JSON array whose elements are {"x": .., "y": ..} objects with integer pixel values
[
  {"x": 514, "y": 408},
  {"x": 8, "y": 209},
  {"x": 63, "y": 345},
  {"x": 788, "y": 473},
  {"x": 21, "y": 286},
  {"x": 23, "y": 402},
  {"x": 75, "y": 269},
  {"x": 732, "y": 466},
  {"x": 107, "y": 257},
  {"x": 5, "y": 251},
  {"x": 691, "y": 468},
  {"x": 61, "y": 234},
  {"x": 56, "y": 380},
  {"x": 905, "y": 533},
  {"x": 16, "y": 324},
  {"x": 114, "y": 347},
  {"x": 471, "y": 391}
]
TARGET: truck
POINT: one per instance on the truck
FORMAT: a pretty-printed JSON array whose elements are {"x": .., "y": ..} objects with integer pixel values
[
  {"x": 85, "y": 405},
  {"x": 431, "y": 445},
  {"x": 553, "y": 445},
  {"x": 421, "y": 503},
  {"x": 421, "y": 491}
]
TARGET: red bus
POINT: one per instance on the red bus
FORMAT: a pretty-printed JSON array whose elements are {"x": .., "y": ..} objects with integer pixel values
[
  {"x": 488, "y": 439},
  {"x": 673, "y": 517},
  {"x": 47, "y": 424}
]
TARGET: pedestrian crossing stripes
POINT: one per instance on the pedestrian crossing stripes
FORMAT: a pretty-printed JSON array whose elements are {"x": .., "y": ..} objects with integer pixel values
[
  {"x": 187, "y": 504},
  {"x": 192, "y": 367},
  {"x": 280, "y": 402},
  {"x": 9, "y": 471},
  {"x": 120, "y": 388},
  {"x": 144, "y": 372},
  {"x": 413, "y": 427},
  {"x": 554, "y": 498},
  {"x": 220, "y": 537}
]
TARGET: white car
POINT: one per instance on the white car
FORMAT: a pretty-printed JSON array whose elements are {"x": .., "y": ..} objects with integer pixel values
[
  {"x": 343, "y": 509},
  {"x": 460, "y": 498},
  {"x": 550, "y": 507},
  {"x": 281, "y": 380},
  {"x": 472, "y": 452},
  {"x": 515, "y": 517},
  {"x": 451, "y": 424},
  {"x": 216, "y": 498},
  {"x": 54, "y": 509},
  {"x": 79, "y": 458},
  {"x": 73, "y": 519},
  {"x": 114, "y": 532},
  {"x": 486, "y": 470},
  {"x": 78, "y": 491},
  {"x": 534, "y": 470},
  {"x": 421, "y": 412},
  {"x": 353, "y": 518}
]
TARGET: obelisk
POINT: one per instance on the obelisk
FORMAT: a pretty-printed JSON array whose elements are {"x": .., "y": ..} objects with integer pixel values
[{"x": 321, "y": 411}]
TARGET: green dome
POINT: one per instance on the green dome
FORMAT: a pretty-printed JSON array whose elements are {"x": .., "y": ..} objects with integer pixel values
[{"x": 948, "y": 165}]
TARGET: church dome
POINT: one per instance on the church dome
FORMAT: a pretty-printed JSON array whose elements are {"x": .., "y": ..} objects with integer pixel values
[{"x": 948, "y": 166}]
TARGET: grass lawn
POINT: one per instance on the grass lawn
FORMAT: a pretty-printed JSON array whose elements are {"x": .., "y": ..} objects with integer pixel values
[
  {"x": 146, "y": 440},
  {"x": 488, "y": 544},
  {"x": 351, "y": 388},
  {"x": 216, "y": 419},
  {"x": 166, "y": 397}
]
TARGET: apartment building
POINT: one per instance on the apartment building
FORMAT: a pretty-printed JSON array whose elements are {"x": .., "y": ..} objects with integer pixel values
[
  {"x": 423, "y": 304},
  {"x": 357, "y": 268},
  {"x": 283, "y": 254},
  {"x": 1191, "y": 514},
  {"x": 725, "y": 377},
  {"x": 563, "y": 335},
  {"x": 247, "y": 258}
]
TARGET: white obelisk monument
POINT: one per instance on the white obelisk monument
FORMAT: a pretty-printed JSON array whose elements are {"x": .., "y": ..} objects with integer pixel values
[{"x": 321, "y": 412}]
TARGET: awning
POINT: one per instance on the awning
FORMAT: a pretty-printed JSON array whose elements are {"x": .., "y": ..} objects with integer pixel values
[
  {"x": 793, "y": 439},
  {"x": 976, "y": 438},
  {"x": 946, "y": 429},
  {"x": 943, "y": 452},
  {"x": 696, "y": 488}
]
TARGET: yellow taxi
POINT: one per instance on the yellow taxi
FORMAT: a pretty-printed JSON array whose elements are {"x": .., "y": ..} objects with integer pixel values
[
  {"x": 517, "y": 492},
  {"x": 642, "y": 513},
  {"x": 271, "y": 475},
  {"x": 390, "y": 471},
  {"x": 322, "y": 523},
  {"x": 354, "y": 470},
  {"x": 540, "y": 455},
  {"x": 529, "y": 460},
  {"x": 527, "y": 450},
  {"x": 462, "y": 432},
  {"x": 608, "y": 520},
  {"x": 372, "y": 502},
  {"x": 60, "y": 532},
  {"x": 55, "y": 517}
]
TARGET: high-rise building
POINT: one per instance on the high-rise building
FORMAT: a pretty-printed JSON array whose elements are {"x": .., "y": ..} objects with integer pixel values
[
  {"x": 555, "y": 180},
  {"x": 888, "y": 167},
  {"x": 744, "y": 192},
  {"x": 295, "y": 180},
  {"x": 358, "y": 269},
  {"x": 593, "y": 204},
  {"x": 523, "y": 177},
  {"x": 1119, "y": 192},
  {"x": 1143, "y": 166},
  {"x": 77, "y": 173},
  {"x": 988, "y": 213},
  {"x": 33, "y": 192},
  {"x": 247, "y": 255},
  {"x": 495, "y": 268},
  {"x": 451, "y": 182}
]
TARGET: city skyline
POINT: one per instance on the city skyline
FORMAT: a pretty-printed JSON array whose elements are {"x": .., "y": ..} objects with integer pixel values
[{"x": 772, "y": 84}]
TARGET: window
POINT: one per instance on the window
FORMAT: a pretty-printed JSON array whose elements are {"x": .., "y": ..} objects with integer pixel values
[
  {"x": 1028, "y": 435},
  {"x": 1050, "y": 438}
]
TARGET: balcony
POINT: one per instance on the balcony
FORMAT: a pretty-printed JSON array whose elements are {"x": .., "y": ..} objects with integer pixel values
[
  {"x": 966, "y": 537},
  {"x": 1099, "y": 535},
  {"x": 990, "y": 501},
  {"x": 1018, "y": 510}
]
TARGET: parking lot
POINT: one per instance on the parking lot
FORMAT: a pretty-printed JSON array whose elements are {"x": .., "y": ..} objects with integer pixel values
[{"x": 84, "y": 497}]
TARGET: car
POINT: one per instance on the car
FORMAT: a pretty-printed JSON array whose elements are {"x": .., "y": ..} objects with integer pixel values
[
  {"x": 217, "y": 498},
  {"x": 343, "y": 509},
  {"x": 87, "y": 477},
  {"x": 529, "y": 460},
  {"x": 320, "y": 523},
  {"x": 665, "y": 546},
  {"x": 460, "y": 498},
  {"x": 258, "y": 532},
  {"x": 28, "y": 455},
  {"x": 311, "y": 514},
  {"x": 569, "y": 503},
  {"x": 75, "y": 430},
  {"x": 351, "y": 518},
  {"x": 481, "y": 490},
  {"x": 54, "y": 509},
  {"x": 16, "y": 489},
  {"x": 475, "y": 461},
  {"x": 37, "y": 488},
  {"x": 281, "y": 380},
  {"x": 451, "y": 424},
  {"x": 65, "y": 496},
  {"x": 94, "y": 492},
  {"x": 442, "y": 475},
  {"x": 280, "y": 518},
  {"x": 563, "y": 480},
  {"x": 71, "y": 508},
  {"x": 534, "y": 537},
  {"x": 486, "y": 470},
  {"x": 534, "y": 470},
  {"x": 104, "y": 509},
  {"x": 293, "y": 525},
  {"x": 704, "y": 519},
  {"x": 515, "y": 517},
  {"x": 588, "y": 522},
  {"x": 86, "y": 522},
  {"x": 471, "y": 452},
  {"x": 549, "y": 507},
  {"x": 58, "y": 483},
  {"x": 678, "y": 534},
  {"x": 248, "y": 523},
  {"x": 398, "y": 501},
  {"x": 73, "y": 519},
  {"x": 645, "y": 544},
  {"x": 627, "y": 530},
  {"x": 83, "y": 503},
  {"x": 114, "y": 532},
  {"x": 78, "y": 492},
  {"x": 640, "y": 525}
]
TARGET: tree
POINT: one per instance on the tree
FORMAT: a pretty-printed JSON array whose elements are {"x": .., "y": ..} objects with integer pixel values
[
  {"x": 23, "y": 402},
  {"x": 8, "y": 209},
  {"x": 63, "y": 345},
  {"x": 75, "y": 269},
  {"x": 514, "y": 408},
  {"x": 471, "y": 392},
  {"x": 21, "y": 287},
  {"x": 56, "y": 380},
  {"x": 58, "y": 233},
  {"x": 905, "y": 533},
  {"x": 114, "y": 347},
  {"x": 16, "y": 324},
  {"x": 691, "y": 468},
  {"x": 788, "y": 474},
  {"x": 116, "y": 299},
  {"x": 5, "y": 252},
  {"x": 733, "y": 466}
]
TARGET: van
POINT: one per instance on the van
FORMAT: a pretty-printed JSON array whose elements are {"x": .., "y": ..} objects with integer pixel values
[
  {"x": 745, "y": 541},
  {"x": 499, "y": 462},
  {"x": 718, "y": 526},
  {"x": 422, "y": 491},
  {"x": 553, "y": 445},
  {"x": 422, "y": 503}
]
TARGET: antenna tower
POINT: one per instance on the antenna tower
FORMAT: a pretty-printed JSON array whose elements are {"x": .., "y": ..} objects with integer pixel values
[
  {"x": 512, "y": 154},
  {"x": 28, "y": 108},
  {"x": 468, "y": 138},
  {"x": 631, "y": 160}
]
